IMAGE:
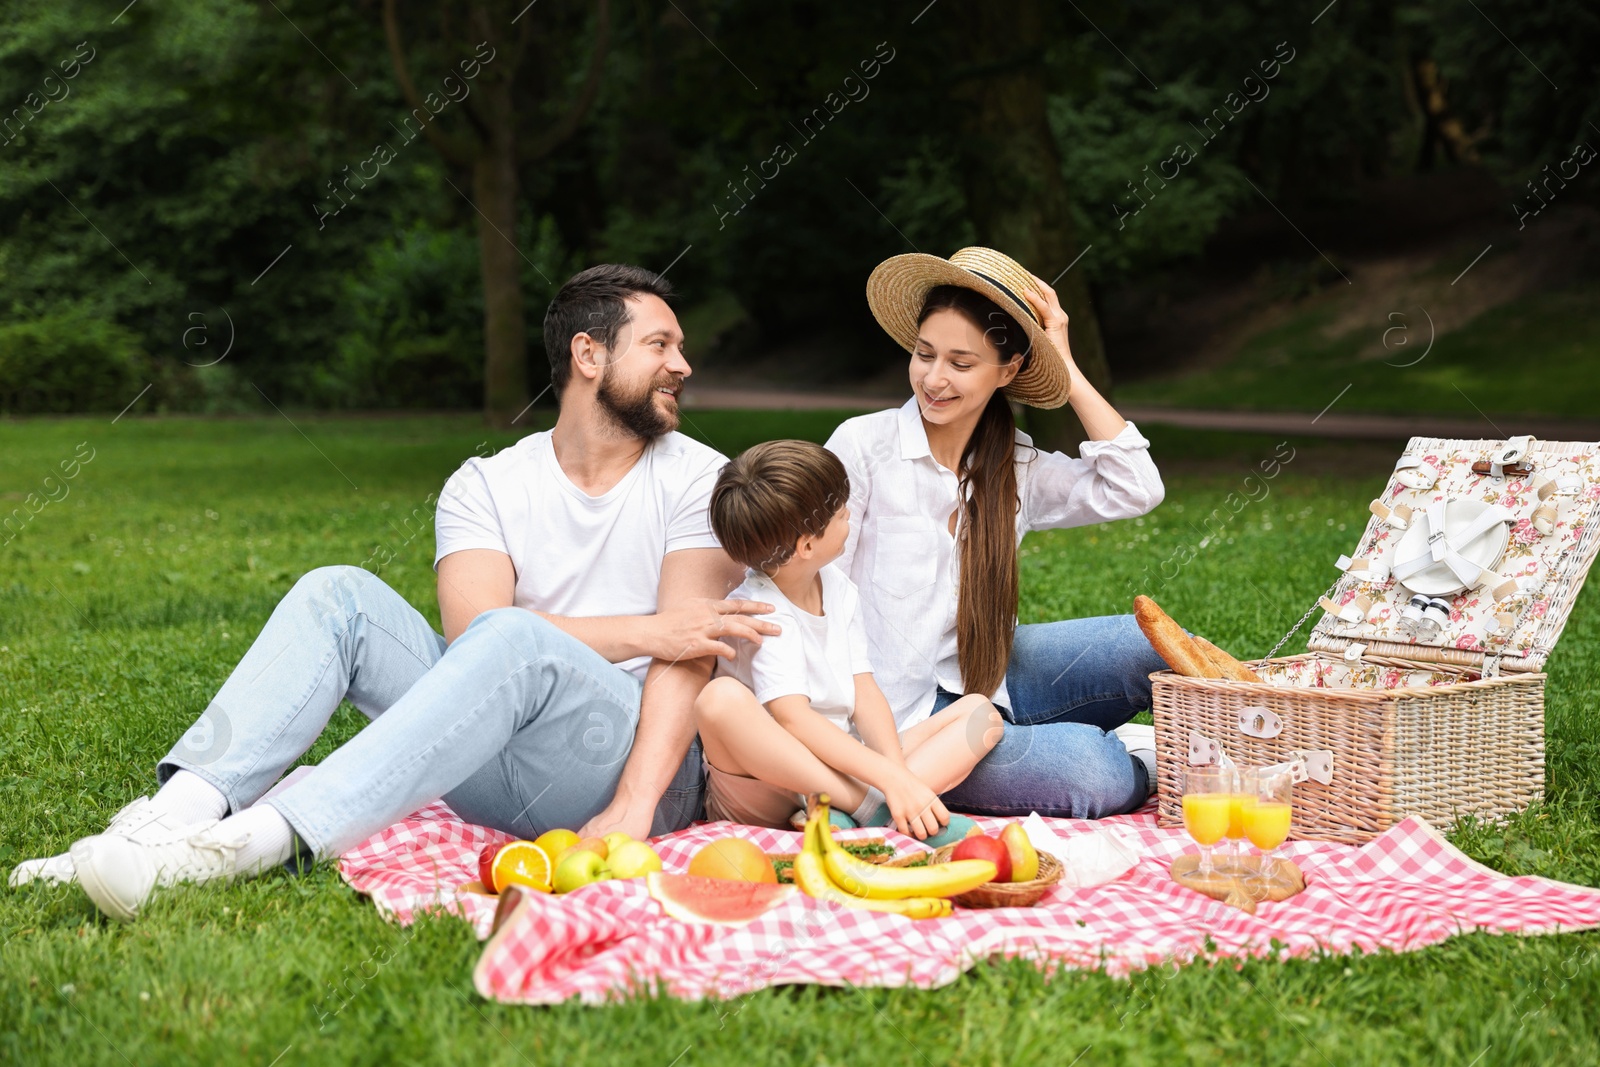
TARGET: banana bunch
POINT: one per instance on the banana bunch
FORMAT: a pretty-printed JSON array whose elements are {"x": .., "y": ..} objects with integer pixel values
[{"x": 827, "y": 872}]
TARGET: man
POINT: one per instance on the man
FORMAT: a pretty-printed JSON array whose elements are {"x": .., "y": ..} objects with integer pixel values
[{"x": 579, "y": 585}]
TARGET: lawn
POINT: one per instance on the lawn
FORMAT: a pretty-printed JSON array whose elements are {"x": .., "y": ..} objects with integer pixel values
[
  {"x": 1538, "y": 354},
  {"x": 124, "y": 603}
]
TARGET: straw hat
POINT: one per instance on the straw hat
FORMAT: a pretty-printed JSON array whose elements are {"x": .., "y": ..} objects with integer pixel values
[{"x": 897, "y": 288}]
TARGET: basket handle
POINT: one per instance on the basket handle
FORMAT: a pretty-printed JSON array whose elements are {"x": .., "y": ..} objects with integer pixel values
[
  {"x": 1314, "y": 765},
  {"x": 1303, "y": 765}
]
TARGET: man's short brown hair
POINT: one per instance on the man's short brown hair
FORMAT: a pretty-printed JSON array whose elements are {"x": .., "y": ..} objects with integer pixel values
[
  {"x": 594, "y": 302},
  {"x": 774, "y": 494}
]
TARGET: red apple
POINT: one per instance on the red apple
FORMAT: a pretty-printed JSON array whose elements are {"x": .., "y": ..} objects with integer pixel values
[
  {"x": 486, "y": 865},
  {"x": 984, "y": 847}
]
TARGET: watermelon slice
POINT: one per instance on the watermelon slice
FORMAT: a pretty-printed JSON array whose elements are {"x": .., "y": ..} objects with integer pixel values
[{"x": 690, "y": 898}]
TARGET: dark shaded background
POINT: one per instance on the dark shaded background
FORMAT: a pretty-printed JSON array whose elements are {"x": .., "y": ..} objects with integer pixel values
[{"x": 143, "y": 199}]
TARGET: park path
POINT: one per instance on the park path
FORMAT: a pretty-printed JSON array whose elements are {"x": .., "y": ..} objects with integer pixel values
[{"x": 1295, "y": 423}]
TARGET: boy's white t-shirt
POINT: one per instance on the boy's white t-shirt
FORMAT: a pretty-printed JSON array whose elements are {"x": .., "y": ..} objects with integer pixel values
[
  {"x": 576, "y": 554},
  {"x": 816, "y": 656}
]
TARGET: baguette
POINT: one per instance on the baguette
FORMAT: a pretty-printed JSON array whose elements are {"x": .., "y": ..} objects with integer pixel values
[
  {"x": 1206, "y": 653},
  {"x": 1230, "y": 667},
  {"x": 1170, "y": 642}
]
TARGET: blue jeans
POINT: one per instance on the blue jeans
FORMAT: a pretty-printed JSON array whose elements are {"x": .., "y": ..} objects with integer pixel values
[
  {"x": 1070, "y": 682},
  {"x": 517, "y": 725}
]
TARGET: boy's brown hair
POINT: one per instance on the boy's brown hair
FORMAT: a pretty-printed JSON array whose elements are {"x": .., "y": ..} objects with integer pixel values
[{"x": 772, "y": 495}]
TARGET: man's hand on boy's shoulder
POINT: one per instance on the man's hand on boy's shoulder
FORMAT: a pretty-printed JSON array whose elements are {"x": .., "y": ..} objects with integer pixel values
[{"x": 702, "y": 626}]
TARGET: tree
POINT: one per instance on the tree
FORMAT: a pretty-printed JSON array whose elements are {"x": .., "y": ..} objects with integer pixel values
[
  {"x": 492, "y": 150},
  {"x": 1017, "y": 199},
  {"x": 148, "y": 181}
]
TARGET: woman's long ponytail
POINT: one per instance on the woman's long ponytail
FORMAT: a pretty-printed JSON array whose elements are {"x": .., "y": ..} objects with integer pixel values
[{"x": 986, "y": 606}]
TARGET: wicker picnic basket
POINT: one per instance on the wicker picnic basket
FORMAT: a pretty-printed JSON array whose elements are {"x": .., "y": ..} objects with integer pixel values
[{"x": 1381, "y": 720}]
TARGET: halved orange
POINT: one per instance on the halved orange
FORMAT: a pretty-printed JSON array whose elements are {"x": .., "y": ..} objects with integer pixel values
[{"x": 521, "y": 863}]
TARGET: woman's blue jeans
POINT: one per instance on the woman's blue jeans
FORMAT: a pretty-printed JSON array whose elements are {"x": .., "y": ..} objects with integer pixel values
[
  {"x": 517, "y": 724},
  {"x": 1070, "y": 683}
]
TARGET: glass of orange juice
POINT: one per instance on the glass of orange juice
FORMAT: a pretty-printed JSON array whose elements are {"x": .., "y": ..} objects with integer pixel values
[
  {"x": 1207, "y": 803},
  {"x": 1242, "y": 794},
  {"x": 1266, "y": 821}
]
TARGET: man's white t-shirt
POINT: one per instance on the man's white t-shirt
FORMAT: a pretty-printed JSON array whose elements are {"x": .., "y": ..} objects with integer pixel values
[
  {"x": 816, "y": 656},
  {"x": 576, "y": 554}
]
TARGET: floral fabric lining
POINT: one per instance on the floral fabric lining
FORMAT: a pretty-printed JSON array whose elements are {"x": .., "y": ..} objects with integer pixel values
[
  {"x": 1330, "y": 672},
  {"x": 1529, "y": 556}
]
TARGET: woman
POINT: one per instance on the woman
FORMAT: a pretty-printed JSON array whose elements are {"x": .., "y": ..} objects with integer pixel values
[{"x": 942, "y": 491}]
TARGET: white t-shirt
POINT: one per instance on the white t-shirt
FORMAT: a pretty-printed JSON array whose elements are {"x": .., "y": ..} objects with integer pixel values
[
  {"x": 576, "y": 554},
  {"x": 816, "y": 656}
]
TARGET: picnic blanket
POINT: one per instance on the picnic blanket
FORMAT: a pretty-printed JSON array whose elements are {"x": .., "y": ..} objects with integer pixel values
[{"x": 1404, "y": 890}]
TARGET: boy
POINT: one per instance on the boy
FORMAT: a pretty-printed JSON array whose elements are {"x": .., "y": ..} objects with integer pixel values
[{"x": 826, "y": 727}]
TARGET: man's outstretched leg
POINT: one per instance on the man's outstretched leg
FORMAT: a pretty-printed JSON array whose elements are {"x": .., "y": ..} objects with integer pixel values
[
  {"x": 534, "y": 725},
  {"x": 339, "y": 632}
]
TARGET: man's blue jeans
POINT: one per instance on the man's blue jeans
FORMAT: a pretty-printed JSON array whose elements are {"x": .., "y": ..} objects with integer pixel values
[
  {"x": 517, "y": 725},
  {"x": 1070, "y": 682}
]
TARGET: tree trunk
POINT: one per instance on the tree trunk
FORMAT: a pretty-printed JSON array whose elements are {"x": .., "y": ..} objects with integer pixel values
[
  {"x": 1016, "y": 196},
  {"x": 494, "y": 185}
]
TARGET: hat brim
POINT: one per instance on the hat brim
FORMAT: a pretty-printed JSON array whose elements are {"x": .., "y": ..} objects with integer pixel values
[{"x": 898, "y": 287}]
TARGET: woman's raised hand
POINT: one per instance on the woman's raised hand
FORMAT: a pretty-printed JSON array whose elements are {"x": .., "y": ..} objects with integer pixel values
[
  {"x": 1052, "y": 316},
  {"x": 705, "y": 627}
]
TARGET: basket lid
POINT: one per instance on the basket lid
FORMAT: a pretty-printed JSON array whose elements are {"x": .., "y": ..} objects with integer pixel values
[{"x": 1502, "y": 550}]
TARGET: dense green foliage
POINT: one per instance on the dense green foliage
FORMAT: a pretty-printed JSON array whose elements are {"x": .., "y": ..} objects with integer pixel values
[
  {"x": 126, "y": 602},
  {"x": 155, "y": 164}
]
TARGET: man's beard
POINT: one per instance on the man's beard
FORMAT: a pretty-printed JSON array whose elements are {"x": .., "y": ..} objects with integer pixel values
[{"x": 637, "y": 413}]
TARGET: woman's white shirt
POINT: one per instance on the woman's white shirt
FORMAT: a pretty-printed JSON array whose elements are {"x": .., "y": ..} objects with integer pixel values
[{"x": 901, "y": 554}]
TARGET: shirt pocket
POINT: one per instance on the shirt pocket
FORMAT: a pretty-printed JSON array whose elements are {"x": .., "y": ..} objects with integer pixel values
[{"x": 905, "y": 558}]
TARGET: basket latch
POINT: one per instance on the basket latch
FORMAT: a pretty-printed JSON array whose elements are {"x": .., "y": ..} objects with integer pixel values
[{"x": 1259, "y": 722}]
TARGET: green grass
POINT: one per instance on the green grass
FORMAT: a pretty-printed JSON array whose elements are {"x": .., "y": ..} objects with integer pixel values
[
  {"x": 123, "y": 606},
  {"x": 1536, "y": 354}
]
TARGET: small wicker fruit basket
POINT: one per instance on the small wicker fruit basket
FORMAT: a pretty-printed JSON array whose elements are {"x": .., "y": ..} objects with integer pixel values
[
  {"x": 996, "y": 894},
  {"x": 1421, "y": 692}
]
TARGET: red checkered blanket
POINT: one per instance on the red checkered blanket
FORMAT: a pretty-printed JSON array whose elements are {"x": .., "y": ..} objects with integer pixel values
[{"x": 1404, "y": 890}]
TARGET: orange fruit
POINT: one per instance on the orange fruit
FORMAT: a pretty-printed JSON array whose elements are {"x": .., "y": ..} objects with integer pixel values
[
  {"x": 555, "y": 842},
  {"x": 733, "y": 859},
  {"x": 521, "y": 863}
]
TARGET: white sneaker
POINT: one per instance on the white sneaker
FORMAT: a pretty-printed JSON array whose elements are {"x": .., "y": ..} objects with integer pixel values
[
  {"x": 53, "y": 870},
  {"x": 1140, "y": 741},
  {"x": 138, "y": 820},
  {"x": 119, "y": 873}
]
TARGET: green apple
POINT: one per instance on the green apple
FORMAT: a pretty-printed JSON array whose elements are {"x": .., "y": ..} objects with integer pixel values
[
  {"x": 578, "y": 869},
  {"x": 615, "y": 840},
  {"x": 633, "y": 859}
]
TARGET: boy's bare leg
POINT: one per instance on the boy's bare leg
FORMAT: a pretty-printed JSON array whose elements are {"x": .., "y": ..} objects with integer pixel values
[
  {"x": 740, "y": 737},
  {"x": 942, "y": 749}
]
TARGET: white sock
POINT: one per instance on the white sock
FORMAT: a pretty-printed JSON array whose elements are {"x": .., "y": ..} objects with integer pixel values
[
  {"x": 271, "y": 838},
  {"x": 191, "y": 797},
  {"x": 868, "y": 807}
]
